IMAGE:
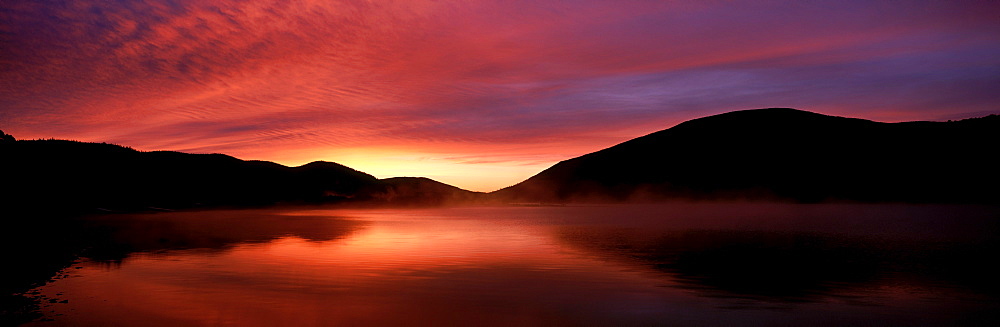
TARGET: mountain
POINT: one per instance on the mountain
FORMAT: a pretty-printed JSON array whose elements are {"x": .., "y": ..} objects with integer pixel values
[
  {"x": 426, "y": 191},
  {"x": 69, "y": 176},
  {"x": 771, "y": 154},
  {"x": 783, "y": 154}
]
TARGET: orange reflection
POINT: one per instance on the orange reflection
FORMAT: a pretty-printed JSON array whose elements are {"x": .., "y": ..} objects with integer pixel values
[
  {"x": 614, "y": 265},
  {"x": 402, "y": 268}
]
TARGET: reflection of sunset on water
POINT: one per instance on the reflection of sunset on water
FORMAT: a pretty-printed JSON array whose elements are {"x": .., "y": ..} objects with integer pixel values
[
  {"x": 395, "y": 273},
  {"x": 536, "y": 266},
  {"x": 499, "y": 162}
]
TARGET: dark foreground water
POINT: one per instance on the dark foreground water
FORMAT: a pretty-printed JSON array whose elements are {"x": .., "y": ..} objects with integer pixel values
[{"x": 674, "y": 265}]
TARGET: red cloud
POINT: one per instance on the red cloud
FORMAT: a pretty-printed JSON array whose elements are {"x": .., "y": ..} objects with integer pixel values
[{"x": 491, "y": 84}]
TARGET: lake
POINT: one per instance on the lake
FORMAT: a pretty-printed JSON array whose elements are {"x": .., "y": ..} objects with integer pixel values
[{"x": 621, "y": 265}]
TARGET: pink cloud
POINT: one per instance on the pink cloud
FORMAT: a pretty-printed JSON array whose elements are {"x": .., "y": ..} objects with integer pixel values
[{"x": 489, "y": 84}]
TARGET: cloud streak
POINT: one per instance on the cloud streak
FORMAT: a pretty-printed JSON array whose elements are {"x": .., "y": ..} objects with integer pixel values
[{"x": 478, "y": 94}]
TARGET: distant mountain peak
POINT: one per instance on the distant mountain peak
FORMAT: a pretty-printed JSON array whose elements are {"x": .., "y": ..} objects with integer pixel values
[
  {"x": 781, "y": 153},
  {"x": 769, "y": 116},
  {"x": 79, "y": 177}
]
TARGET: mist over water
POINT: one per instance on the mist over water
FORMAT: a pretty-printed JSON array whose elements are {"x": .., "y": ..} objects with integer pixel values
[{"x": 674, "y": 264}]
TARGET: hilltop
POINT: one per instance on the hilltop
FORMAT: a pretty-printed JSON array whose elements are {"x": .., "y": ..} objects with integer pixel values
[
  {"x": 782, "y": 154},
  {"x": 78, "y": 177}
]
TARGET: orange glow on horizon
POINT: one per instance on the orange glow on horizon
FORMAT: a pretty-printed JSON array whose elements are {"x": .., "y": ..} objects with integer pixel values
[{"x": 480, "y": 94}]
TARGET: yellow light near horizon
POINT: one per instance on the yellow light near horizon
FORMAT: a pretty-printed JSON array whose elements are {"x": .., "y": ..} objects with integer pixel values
[
  {"x": 488, "y": 176},
  {"x": 474, "y": 177}
]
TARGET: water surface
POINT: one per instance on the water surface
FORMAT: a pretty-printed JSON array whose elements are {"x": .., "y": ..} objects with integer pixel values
[{"x": 679, "y": 264}]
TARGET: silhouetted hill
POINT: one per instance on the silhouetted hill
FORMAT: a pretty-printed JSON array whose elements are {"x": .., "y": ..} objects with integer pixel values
[
  {"x": 426, "y": 191},
  {"x": 783, "y": 154},
  {"x": 4, "y": 137},
  {"x": 68, "y": 176}
]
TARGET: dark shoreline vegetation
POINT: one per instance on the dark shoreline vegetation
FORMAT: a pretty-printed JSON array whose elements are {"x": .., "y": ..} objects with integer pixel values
[{"x": 781, "y": 155}]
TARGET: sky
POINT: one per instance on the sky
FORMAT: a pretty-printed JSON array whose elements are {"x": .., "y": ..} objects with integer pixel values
[{"x": 477, "y": 94}]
